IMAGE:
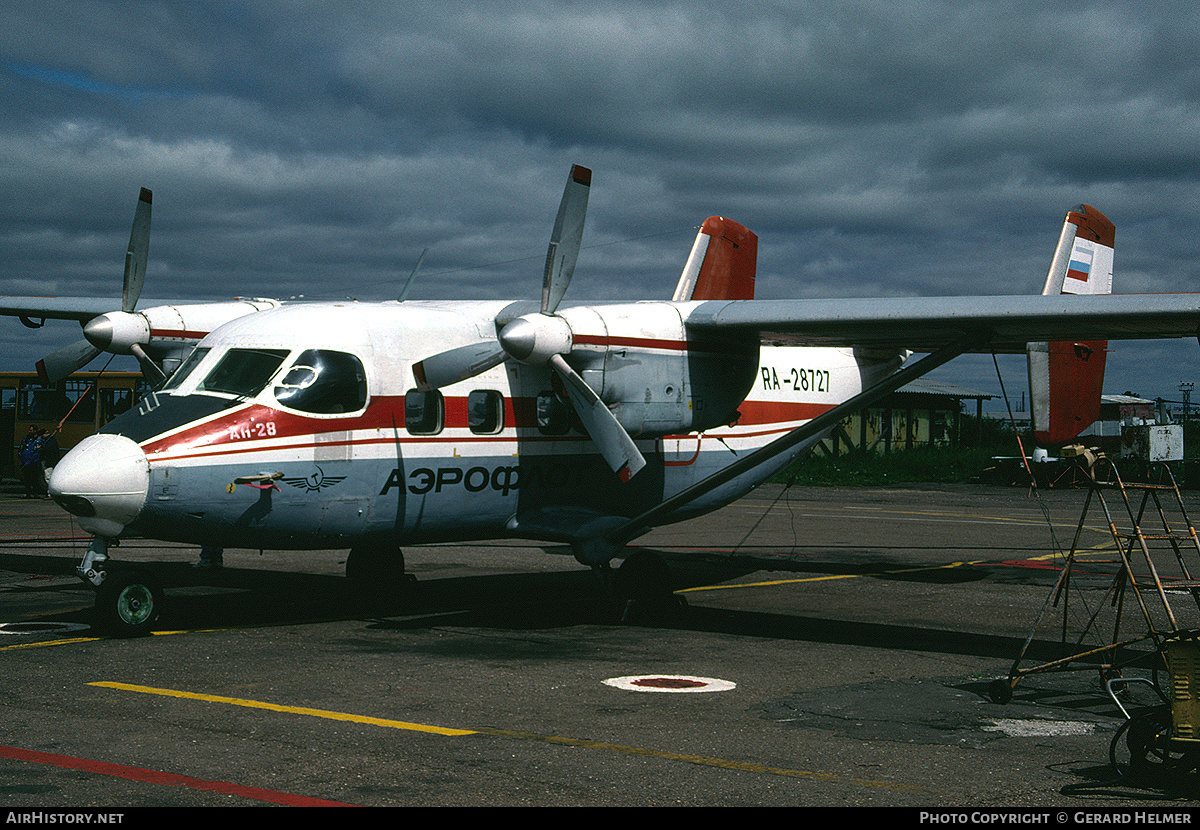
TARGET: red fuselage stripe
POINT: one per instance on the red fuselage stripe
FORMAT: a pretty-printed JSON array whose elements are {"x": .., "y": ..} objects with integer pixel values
[{"x": 229, "y": 433}]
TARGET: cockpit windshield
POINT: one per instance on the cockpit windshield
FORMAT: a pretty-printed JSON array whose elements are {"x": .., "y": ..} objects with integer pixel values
[
  {"x": 186, "y": 368},
  {"x": 323, "y": 382},
  {"x": 243, "y": 372}
]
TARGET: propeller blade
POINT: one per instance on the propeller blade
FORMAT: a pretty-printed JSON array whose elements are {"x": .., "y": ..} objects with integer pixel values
[
  {"x": 55, "y": 367},
  {"x": 139, "y": 251},
  {"x": 614, "y": 442},
  {"x": 412, "y": 276},
  {"x": 453, "y": 365},
  {"x": 566, "y": 238}
]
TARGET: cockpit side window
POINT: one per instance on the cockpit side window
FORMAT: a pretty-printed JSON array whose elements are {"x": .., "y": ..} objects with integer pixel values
[
  {"x": 186, "y": 368},
  {"x": 323, "y": 382},
  {"x": 243, "y": 372}
]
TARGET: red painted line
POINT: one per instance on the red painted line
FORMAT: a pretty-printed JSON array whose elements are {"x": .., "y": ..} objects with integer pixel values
[
  {"x": 162, "y": 334},
  {"x": 633, "y": 342},
  {"x": 1079, "y": 569},
  {"x": 166, "y": 779},
  {"x": 1031, "y": 563}
]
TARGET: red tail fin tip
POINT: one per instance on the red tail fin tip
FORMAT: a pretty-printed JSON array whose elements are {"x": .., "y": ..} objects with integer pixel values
[{"x": 722, "y": 263}]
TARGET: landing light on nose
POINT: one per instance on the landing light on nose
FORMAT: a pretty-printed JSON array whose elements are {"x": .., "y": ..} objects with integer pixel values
[{"x": 103, "y": 481}]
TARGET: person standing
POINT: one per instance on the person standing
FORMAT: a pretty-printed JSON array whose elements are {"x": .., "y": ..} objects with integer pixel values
[
  {"x": 49, "y": 457},
  {"x": 31, "y": 462}
]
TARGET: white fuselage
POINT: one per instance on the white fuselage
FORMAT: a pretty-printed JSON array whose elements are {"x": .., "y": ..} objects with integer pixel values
[{"x": 331, "y": 445}]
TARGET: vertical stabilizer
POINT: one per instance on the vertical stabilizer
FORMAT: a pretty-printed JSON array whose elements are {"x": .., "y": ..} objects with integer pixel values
[
  {"x": 721, "y": 265},
  {"x": 1066, "y": 379}
]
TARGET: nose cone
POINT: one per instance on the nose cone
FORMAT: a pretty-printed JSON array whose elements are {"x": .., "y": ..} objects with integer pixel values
[{"x": 103, "y": 481}]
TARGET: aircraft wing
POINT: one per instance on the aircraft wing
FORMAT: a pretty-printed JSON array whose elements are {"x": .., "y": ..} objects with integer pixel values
[
  {"x": 57, "y": 308},
  {"x": 81, "y": 309},
  {"x": 923, "y": 324}
]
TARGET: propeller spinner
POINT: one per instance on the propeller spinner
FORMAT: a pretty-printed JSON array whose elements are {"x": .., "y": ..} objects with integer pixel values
[{"x": 545, "y": 338}]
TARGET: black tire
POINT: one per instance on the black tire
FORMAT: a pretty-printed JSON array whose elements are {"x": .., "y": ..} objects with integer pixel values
[
  {"x": 643, "y": 588},
  {"x": 128, "y": 604},
  {"x": 1148, "y": 747},
  {"x": 644, "y": 577},
  {"x": 1000, "y": 691},
  {"x": 377, "y": 567}
]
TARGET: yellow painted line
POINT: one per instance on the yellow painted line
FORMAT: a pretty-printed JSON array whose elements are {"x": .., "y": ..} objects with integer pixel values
[
  {"x": 44, "y": 643},
  {"x": 1096, "y": 549},
  {"x": 295, "y": 710},
  {"x": 697, "y": 759},
  {"x": 71, "y": 640},
  {"x": 821, "y": 578},
  {"x": 958, "y": 518},
  {"x": 525, "y": 736}
]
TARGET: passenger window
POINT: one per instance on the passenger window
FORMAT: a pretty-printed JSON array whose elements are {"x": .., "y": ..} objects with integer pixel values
[
  {"x": 324, "y": 383},
  {"x": 553, "y": 416},
  {"x": 485, "y": 411},
  {"x": 423, "y": 412},
  {"x": 243, "y": 372}
]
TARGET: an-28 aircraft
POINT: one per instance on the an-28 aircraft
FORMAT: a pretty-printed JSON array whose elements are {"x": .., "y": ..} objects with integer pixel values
[{"x": 371, "y": 426}]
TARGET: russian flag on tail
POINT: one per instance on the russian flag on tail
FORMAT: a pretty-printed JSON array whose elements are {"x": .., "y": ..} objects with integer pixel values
[{"x": 1080, "y": 266}]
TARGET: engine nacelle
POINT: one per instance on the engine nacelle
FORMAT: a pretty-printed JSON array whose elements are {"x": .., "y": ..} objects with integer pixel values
[
  {"x": 654, "y": 377},
  {"x": 165, "y": 328},
  {"x": 118, "y": 331}
]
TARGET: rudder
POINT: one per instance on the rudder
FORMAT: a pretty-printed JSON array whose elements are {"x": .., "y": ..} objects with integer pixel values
[{"x": 1066, "y": 379}]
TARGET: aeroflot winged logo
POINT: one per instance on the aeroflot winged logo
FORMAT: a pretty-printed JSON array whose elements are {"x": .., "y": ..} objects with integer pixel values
[{"x": 316, "y": 482}]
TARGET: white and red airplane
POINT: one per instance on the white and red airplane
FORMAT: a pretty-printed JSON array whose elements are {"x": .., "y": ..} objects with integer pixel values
[{"x": 371, "y": 426}]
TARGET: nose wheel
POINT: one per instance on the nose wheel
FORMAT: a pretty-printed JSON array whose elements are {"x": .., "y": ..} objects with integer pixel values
[{"x": 127, "y": 604}]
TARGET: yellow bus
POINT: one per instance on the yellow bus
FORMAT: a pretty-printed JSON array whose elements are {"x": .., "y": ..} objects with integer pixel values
[{"x": 76, "y": 407}]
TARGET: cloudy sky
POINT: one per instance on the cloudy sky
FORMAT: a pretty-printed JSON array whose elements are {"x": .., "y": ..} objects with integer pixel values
[{"x": 899, "y": 149}]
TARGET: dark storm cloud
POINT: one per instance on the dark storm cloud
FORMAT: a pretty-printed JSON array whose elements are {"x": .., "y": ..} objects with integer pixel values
[{"x": 898, "y": 149}]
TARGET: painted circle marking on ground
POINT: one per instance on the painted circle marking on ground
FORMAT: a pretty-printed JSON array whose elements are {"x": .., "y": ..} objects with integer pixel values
[
  {"x": 41, "y": 627},
  {"x": 669, "y": 683}
]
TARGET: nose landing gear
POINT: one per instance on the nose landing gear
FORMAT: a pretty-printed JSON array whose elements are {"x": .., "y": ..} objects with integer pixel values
[{"x": 127, "y": 602}]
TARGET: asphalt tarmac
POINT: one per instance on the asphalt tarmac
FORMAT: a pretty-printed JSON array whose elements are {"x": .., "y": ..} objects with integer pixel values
[{"x": 836, "y": 649}]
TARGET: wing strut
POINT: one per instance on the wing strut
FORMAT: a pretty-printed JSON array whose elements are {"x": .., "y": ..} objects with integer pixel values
[{"x": 636, "y": 526}]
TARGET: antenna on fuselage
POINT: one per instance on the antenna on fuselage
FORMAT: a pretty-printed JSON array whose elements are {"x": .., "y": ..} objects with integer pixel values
[{"x": 408, "y": 284}]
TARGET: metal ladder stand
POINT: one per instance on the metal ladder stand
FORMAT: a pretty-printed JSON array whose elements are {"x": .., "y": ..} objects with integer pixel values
[{"x": 1150, "y": 569}]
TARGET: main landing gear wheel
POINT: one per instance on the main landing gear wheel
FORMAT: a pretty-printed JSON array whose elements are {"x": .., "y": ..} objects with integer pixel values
[
  {"x": 643, "y": 584},
  {"x": 377, "y": 566},
  {"x": 127, "y": 604}
]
